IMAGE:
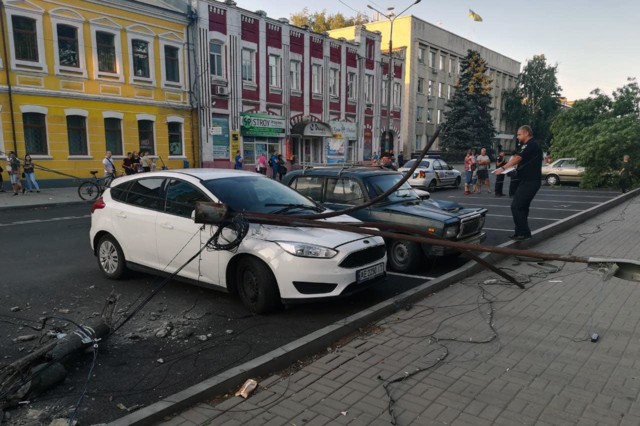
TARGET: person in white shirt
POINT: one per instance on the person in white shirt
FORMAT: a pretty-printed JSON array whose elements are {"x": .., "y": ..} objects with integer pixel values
[
  {"x": 108, "y": 166},
  {"x": 483, "y": 170}
]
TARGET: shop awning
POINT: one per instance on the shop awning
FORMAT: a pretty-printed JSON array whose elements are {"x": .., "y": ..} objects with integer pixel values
[{"x": 312, "y": 128}]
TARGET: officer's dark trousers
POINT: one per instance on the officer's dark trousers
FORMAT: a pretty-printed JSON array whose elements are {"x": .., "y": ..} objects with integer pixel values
[{"x": 527, "y": 189}]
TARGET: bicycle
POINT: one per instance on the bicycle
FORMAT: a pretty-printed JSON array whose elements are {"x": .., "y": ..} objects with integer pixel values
[{"x": 90, "y": 190}]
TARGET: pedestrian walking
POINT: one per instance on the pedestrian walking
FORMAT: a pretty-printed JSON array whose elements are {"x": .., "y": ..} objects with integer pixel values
[
  {"x": 500, "y": 162},
  {"x": 128, "y": 165},
  {"x": 29, "y": 174},
  {"x": 469, "y": 167},
  {"x": 108, "y": 167},
  {"x": 146, "y": 161},
  {"x": 529, "y": 162},
  {"x": 281, "y": 165},
  {"x": 1, "y": 179},
  {"x": 483, "y": 163},
  {"x": 273, "y": 163},
  {"x": 13, "y": 166},
  {"x": 239, "y": 161},
  {"x": 137, "y": 165},
  {"x": 400, "y": 159},
  {"x": 475, "y": 188},
  {"x": 625, "y": 174},
  {"x": 261, "y": 167}
]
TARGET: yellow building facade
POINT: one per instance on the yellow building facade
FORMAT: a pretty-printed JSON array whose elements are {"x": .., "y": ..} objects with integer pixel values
[{"x": 82, "y": 77}]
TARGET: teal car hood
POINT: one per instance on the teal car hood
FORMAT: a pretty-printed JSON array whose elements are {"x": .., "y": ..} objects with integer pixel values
[{"x": 425, "y": 209}]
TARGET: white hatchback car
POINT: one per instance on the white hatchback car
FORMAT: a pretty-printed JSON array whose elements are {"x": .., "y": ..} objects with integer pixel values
[
  {"x": 432, "y": 173},
  {"x": 145, "y": 222}
]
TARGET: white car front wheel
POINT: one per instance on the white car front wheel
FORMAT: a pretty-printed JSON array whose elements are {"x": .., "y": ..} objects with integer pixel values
[{"x": 256, "y": 286}]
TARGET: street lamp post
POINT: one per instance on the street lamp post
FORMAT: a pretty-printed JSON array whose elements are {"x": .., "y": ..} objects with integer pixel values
[{"x": 391, "y": 17}]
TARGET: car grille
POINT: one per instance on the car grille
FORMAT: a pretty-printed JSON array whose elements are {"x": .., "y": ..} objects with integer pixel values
[
  {"x": 363, "y": 257},
  {"x": 470, "y": 226}
]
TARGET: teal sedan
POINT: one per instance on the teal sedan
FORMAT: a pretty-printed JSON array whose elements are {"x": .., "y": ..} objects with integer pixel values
[{"x": 339, "y": 188}]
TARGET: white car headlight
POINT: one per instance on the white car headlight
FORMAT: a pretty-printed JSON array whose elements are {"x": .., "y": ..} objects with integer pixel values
[
  {"x": 451, "y": 231},
  {"x": 307, "y": 250}
]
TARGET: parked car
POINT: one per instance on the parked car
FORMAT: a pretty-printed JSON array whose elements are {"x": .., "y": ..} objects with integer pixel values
[
  {"x": 338, "y": 188},
  {"x": 145, "y": 222},
  {"x": 432, "y": 173},
  {"x": 562, "y": 171}
]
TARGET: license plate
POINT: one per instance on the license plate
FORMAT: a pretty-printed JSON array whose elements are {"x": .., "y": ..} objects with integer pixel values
[{"x": 370, "y": 272}]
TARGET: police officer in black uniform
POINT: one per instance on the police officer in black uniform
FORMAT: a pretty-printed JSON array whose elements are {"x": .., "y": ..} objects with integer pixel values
[{"x": 529, "y": 162}]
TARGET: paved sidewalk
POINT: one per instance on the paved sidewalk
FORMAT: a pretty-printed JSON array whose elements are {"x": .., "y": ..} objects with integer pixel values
[
  {"x": 443, "y": 363},
  {"x": 46, "y": 196}
]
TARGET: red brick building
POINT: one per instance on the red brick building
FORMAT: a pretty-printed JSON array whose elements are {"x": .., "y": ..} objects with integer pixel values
[{"x": 265, "y": 85}]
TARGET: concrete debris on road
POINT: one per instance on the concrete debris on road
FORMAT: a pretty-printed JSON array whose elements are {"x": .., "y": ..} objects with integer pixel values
[
  {"x": 15, "y": 309},
  {"x": 25, "y": 338},
  {"x": 202, "y": 338},
  {"x": 160, "y": 361},
  {"x": 64, "y": 311},
  {"x": 62, "y": 422}
]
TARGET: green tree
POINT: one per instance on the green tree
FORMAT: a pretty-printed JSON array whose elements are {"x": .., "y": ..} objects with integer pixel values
[
  {"x": 598, "y": 131},
  {"x": 535, "y": 100},
  {"x": 468, "y": 121},
  {"x": 323, "y": 21}
]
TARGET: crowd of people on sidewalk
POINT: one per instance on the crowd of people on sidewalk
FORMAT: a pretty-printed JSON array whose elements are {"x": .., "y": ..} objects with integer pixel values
[
  {"x": 476, "y": 168},
  {"x": 13, "y": 167},
  {"x": 276, "y": 163}
]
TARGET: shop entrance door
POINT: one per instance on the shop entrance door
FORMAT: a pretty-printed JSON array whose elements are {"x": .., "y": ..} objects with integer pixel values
[{"x": 309, "y": 150}]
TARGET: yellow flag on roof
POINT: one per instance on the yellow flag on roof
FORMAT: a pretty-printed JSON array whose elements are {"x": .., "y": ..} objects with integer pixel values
[{"x": 475, "y": 16}]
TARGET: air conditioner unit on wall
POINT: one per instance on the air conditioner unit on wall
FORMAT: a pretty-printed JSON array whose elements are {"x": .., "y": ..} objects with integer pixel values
[{"x": 222, "y": 91}]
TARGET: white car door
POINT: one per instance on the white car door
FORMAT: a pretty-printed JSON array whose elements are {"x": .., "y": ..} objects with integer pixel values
[
  {"x": 440, "y": 173},
  {"x": 179, "y": 238},
  {"x": 135, "y": 219},
  {"x": 450, "y": 175}
]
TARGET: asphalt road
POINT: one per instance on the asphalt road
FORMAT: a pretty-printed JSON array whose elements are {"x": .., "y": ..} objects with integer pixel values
[{"x": 48, "y": 269}]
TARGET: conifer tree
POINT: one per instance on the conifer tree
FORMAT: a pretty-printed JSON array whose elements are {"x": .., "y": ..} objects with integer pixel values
[{"x": 468, "y": 122}]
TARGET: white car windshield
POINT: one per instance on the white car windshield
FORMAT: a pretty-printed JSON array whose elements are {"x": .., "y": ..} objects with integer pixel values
[
  {"x": 377, "y": 185},
  {"x": 260, "y": 195}
]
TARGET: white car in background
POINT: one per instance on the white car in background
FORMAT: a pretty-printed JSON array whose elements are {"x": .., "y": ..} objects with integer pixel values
[
  {"x": 432, "y": 173},
  {"x": 562, "y": 171},
  {"x": 145, "y": 222}
]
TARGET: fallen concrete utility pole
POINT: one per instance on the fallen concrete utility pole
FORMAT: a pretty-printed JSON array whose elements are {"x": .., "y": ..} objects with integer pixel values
[
  {"x": 43, "y": 369},
  {"x": 215, "y": 213}
]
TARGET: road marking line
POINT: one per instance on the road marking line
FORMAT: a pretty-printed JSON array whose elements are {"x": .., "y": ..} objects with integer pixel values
[
  {"x": 410, "y": 276},
  {"x": 53, "y": 219},
  {"x": 535, "y": 218},
  {"x": 535, "y": 199},
  {"x": 530, "y": 208},
  {"x": 569, "y": 201},
  {"x": 549, "y": 194}
]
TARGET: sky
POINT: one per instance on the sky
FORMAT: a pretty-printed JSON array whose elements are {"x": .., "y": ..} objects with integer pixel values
[{"x": 596, "y": 44}]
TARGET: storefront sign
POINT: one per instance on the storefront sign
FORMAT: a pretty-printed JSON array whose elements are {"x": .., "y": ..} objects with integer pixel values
[
  {"x": 317, "y": 129},
  {"x": 235, "y": 144},
  {"x": 336, "y": 149},
  {"x": 344, "y": 130},
  {"x": 262, "y": 125}
]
